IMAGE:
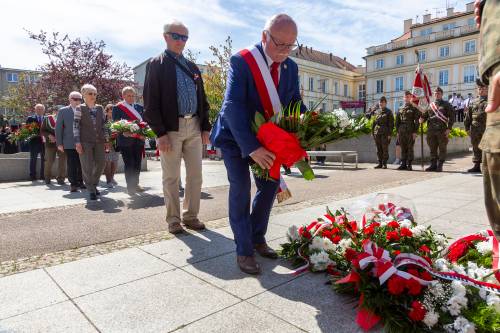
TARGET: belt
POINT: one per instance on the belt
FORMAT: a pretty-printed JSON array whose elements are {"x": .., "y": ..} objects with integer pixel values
[{"x": 188, "y": 116}]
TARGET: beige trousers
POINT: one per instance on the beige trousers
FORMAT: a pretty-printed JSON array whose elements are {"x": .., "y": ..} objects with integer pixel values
[
  {"x": 186, "y": 143},
  {"x": 50, "y": 155}
]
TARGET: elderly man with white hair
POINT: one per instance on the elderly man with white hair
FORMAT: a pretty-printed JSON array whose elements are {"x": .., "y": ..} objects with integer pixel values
[
  {"x": 91, "y": 138},
  {"x": 36, "y": 144},
  {"x": 176, "y": 109},
  {"x": 65, "y": 141},
  {"x": 262, "y": 78}
]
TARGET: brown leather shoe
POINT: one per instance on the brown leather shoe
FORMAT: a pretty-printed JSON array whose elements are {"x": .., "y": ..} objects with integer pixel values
[
  {"x": 248, "y": 264},
  {"x": 194, "y": 224},
  {"x": 175, "y": 228},
  {"x": 265, "y": 251}
]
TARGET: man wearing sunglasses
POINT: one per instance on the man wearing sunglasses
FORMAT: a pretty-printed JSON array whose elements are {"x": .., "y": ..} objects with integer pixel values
[
  {"x": 176, "y": 109},
  {"x": 233, "y": 134},
  {"x": 66, "y": 142}
]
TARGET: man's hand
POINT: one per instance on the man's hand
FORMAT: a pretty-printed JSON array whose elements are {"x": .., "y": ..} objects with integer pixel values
[
  {"x": 60, "y": 148},
  {"x": 52, "y": 139},
  {"x": 79, "y": 148},
  {"x": 205, "y": 137},
  {"x": 263, "y": 157},
  {"x": 164, "y": 144},
  {"x": 494, "y": 97}
]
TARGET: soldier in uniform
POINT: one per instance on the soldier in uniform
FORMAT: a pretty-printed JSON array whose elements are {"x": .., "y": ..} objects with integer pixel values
[
  {"x": 382, "y": 130},
  {"x": 407, "y": 127},
  {"x": 489, "y": 70},
  {"x": 475, "y": 123},
  {"x": 440, "y": 118}
]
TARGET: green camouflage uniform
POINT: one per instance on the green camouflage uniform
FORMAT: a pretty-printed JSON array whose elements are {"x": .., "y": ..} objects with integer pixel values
[
  {"x": 407, "y": 125},
  {"x": 436, "y": 129},
  {"x": 381, "y": 129},
  {"x": 475, "y": 122},
  {"x": 489, "y": 65}
]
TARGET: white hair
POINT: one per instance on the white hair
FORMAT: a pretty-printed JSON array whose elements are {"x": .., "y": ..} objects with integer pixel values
[
  {"x": 174, "y": 23},
  {"x": 128, "y": 89},
  {"x": 279, "y": 18},
  {"x": 40, "y": 106},
  {"x": 75, "y": 94},
  {"x": 88, "y": 87}
]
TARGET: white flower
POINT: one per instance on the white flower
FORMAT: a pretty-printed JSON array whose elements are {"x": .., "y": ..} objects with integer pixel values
[
  {"x": 134, "y": 128},
  {"x": 322, "y": 244},
  {"x": 343, "y": 118},
  {"x": 442, "y": 265},
  {"x": 458, "y": 288},
  {"x": 405, "y": 223},
  {"x": 293, "y": 233},
  {"x": 437, "y": 289},
  {"x": 459, "y": 269},
  {"x": 483, "y": 294},
  {"x": 442, "y": 240},
  {"x": 418, "y": 230},
  {"x": 494, "y": 301},
  {"x": 345, "y": 243},
  {"x": 431, "y": 318},
  {"x": 484, "y": 247},
  {"x": 320, "y": 260},
  {"x": 462, "y": 325},
  {"x": 456, "y": 304}
]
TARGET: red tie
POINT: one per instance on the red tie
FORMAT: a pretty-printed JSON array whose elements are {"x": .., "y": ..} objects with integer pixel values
[{"x": 274, "y": 73}]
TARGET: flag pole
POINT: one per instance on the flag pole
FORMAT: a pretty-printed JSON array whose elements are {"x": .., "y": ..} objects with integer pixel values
[{"x": 421, "y": 124}]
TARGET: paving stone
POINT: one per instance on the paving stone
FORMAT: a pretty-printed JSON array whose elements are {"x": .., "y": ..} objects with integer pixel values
[
  {"x": 274, "y": 231},
  {"x": 85, "y": 276},
  {"x": 26, "y": 292}
]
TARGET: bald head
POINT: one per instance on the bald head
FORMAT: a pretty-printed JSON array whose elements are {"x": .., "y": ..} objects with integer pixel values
[
  {"x": 280, "y": 22},
  {"x": 279, "y": 37}
]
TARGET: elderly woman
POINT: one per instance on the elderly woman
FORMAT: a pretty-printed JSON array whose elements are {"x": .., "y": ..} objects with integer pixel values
[
  {"x": 112, "y": 155},
  {"x": 91, "y": 138}
]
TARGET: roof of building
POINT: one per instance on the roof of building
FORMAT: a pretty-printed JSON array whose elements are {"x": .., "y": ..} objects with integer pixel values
[
  {"x": 441, "y": 19},
  {"x": 328, "y": 59},
  {"x": 405, "y": 36}
]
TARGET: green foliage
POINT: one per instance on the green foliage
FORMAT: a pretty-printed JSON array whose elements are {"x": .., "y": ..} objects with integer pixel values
[
  {"x": 454, "y": 133},
  {"x": 485, "y": 318},
  {"x": 474, "y": 255}
]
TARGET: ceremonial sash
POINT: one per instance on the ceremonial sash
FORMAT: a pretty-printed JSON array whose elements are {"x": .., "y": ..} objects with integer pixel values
[
  {"x": 438, "y": 113},
  {"x": 129, "y": 111},
  {"x": 263, "y": 81},
  {"x": 51, "y": 122}
]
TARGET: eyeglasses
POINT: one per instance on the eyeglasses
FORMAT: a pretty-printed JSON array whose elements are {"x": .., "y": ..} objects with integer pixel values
[
  {"x": 76, "y": 99},
  {"x": 282, "y": 46},
  {"x": 91, "y": 94},
  {"x": 176, "y": 36}
]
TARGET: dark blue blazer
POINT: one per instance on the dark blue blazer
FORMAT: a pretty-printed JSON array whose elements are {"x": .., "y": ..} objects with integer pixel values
[
  {"x": 36, "y": 140},
  {"x": 232, "y": 130},
  {"x": 118, "y": 114}
]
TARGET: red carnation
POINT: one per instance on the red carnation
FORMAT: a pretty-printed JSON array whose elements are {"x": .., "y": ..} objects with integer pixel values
[
  {"x": 426, "y": 276},
  {"x": 354, "y": 225},
  {"x": 393, "y": 224},
  {"x": 375, "y": 224},
  {"x": 369, "y": 230},
  {"x": 396, "y": 252},
  {"x": 405, "y": 232},
  {"x": 395, "y": 285},
  {"x": 303, "y": 232},
  {"x": 424, "y": 248},
  {"x": 350, "y": 254},
  {"x": 336, "y": 239},
  {"x": 417, "y": 312},
  {"x": 414, "y": 287},
  {"x": 142, "y": 124},
  {"x": 392, "y": 236},
  {"x": 335, "y": 230}
]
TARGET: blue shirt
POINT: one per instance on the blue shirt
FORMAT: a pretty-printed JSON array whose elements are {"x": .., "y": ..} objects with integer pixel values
[{"x": 187, "y": 101}]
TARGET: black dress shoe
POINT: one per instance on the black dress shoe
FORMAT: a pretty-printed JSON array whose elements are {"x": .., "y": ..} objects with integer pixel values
[
  {"x": 248, "y": 264},
  {"x": 82, "y": 186},
  {"x": 73, "y": 188},
  {"x": 61, "y": 182},
  {"x": 97, "y": 192},
  {"x": 93, "y": 196},
  {"x": 265, "y": 251}
]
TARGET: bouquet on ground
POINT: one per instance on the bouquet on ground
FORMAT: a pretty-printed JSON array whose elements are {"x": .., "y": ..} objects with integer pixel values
[
  {"x": 25, "y": 133},
  {"x": 290, "y": 133},
  {"x": 135, "y": 129},
  {"x": 396, "y": 269}
]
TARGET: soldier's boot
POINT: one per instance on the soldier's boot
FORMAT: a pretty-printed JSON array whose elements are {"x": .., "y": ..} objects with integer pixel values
[
  {"x": 432, "y": 167},
  {"x": 403, "y": 165},
  {"x": 476, "y": 168},
  {"x": 384, "y": 165},
  {"x": 408, "y": 166},
  {"x": 440, "y": 166},
  {"x": 379, "y": 165}
]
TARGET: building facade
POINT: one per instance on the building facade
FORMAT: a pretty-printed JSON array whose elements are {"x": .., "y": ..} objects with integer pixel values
[
  {"x": 446, "y": 48},
  {"x": 10, "y": 77}
]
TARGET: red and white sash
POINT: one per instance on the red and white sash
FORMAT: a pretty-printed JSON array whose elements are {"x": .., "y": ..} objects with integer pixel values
[
  {"x": 263, "y": 81},
  {"x": 130, "y": 111},
  {"x": 438, "y": 113},
  {"x": 51, "y": 121}
]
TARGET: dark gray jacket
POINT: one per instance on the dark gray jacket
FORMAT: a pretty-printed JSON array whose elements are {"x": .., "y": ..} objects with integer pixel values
[{"x": 64, "y": 128}]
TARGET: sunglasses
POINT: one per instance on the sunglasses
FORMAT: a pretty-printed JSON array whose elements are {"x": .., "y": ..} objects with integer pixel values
[{"x": 176, "y": 36}]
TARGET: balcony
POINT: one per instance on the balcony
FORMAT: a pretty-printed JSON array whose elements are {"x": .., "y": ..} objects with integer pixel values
[{"x": 436, "y": 36}]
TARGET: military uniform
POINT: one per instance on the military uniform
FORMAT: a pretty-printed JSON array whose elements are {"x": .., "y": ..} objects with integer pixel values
[
  {"x": 489, "y": 66},
  {"x": 382, "y": 129},
  {"x": 475, "y": 124},
  {"x": 406, "y": 126},
  {"x": 436, "y": 132}
]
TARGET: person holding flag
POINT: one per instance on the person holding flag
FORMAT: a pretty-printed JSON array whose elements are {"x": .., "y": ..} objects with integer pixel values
[{"x": 261, "y": 78}]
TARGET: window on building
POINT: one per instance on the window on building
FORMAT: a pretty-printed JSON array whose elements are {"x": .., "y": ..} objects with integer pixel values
[
  {"x": 398, "y": 86},
  {"x": 400, "y": 59},
  {"x": 336, "y": 88},
  {"x": 398, "y": 102},
  {"x": 380, "y": 86},
  {"x": 444, "y": 51},
  {"x": 469, "y": 74},
  {"x": 311, "y": 105},
  {"x": 470, "y": 46},
  {"x": 471, "y": 22},
  {"x": 323, "y": 86},
  {"x": 12, "y": 77},
  {"x": 425, "y": 32},
  {"x": 346, "y": 90},
  {"x": 323, "y": 107},
  {"x": 361, "y": 92},
  {"x": 443, "y": 77},
  {"x": 379, "y": 64},
  {"x": 449, "y": 26},
  {"x": 421, "y": 55},
  {"x": 311, "y": 84}
]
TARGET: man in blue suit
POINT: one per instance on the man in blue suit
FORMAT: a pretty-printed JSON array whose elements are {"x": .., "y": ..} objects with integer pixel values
[
  {"x": 36, "y": 143},
  {"x": 130, "y": 147},
  {"x": 232, "y": 133}
]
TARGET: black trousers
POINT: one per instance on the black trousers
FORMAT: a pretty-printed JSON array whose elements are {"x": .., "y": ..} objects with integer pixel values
[
  {"x": 74, "y": 168},
  {"x": 132, "y": 158},
  {"x": 35, "y": 150}
]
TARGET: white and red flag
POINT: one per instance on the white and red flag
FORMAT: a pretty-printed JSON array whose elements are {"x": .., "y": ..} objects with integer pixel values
[{"x": 421, "y": 87}]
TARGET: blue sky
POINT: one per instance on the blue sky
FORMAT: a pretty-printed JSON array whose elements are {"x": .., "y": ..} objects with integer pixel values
[{"x": 132, "y": 30}]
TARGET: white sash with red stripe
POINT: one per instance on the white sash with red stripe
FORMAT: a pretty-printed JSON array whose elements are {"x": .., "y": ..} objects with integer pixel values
[
  {"x": 438, "y": 113},
  {"x": 263, "y": 81},
  {"x": 130, "y": 111}
]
